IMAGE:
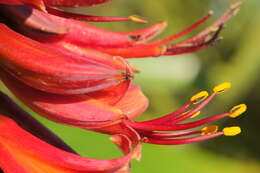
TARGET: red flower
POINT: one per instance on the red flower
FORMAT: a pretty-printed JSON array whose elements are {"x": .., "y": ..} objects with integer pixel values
[
  {"x": 24, "y": 149},
  {"x": 50, "y": 68},
  {"x": 107, "y": 113},
  {"x": 66, "y": 56},
  {"x": 75, "y": 74}
]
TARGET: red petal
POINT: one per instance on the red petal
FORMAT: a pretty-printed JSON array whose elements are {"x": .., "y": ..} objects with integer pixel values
[
  {"x": 79, "y": 33},
  {"x": 73, "y": 3},
  {"x": 76, "y": 110},
  {"x": 72, "y": 109},
  {"x": 89, "y": 18},
  {"x": 24, "y": 153},
  {"x": 25, "y": 15},
  {"x": 30, "y": 124},
  {"x": 121, "y": 129},
  {"x": 112, "y": 95},
  {"x": 54, "y": 70},
  {"x": 134, "y": 102}
]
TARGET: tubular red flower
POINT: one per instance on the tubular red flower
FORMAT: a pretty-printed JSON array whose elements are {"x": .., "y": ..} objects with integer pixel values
[
  {"x": 22, "y": 152},
  {"x": 75, "y": 74},
  {"x": 28, "y": 123},
  {"x": 78, "y": 110},
  {"x": 55, "y": 71},
  {"x": 78, "y": 54},
  {"x": 129, "y": 44},
  {"x": 25, "y": 148},
  {"x": 71, "y": 109},
  {"x": 123, "y": 111}
]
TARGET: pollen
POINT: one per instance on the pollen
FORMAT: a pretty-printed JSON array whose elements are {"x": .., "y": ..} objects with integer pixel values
[
  {"x": 222, "y": 87},
  {"x": 209, "y": 130},
  {"x": 231, "y": 131},
  {"x": 199, "y": 97},
  {"x": 237, "y": 110}
]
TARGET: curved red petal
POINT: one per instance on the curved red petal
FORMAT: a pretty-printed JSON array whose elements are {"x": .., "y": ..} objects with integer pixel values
[
  {"x": 73, "y": 3},
  {"x": 54, "y": 70},
  {"x": 75, "y": 110},
  {"x": 25, "y": 153},
  {"x": 134, "y": 102}
]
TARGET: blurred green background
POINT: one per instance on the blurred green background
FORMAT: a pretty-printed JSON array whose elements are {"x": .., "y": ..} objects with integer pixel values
[{"x": 170, "y": 81}]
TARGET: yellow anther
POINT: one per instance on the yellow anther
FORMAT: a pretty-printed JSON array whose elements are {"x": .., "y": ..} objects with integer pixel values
[
  {"x": 231, "y": 131},
  {"x": 199, "y": 97},
  {"x": 209, "y": 130},
  {"x": 222, "y": 87},
  {"x": 237, "y": 110},
  {"x": 137, "y": 19},
  {"x": 196, "y": 114}
]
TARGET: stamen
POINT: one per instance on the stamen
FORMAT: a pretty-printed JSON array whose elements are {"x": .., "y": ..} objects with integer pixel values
[
  {"x": 169, "y": 135},
  {"x": 194, "y": 44},
  {"x": 237, "y": 110},
  {"x": 193, "y": 111},
  {"x": 183, "y": 32},
  {"x": 169, "y": 116},
  {"x": 185, "y": 116},
  {"x": 206, "y": 133},
  {"x": 199, "y": 97},
  {"x": 209, "y": 130},
  {"x": 231, "y": 131},
  {"x": 201, "y": 122},
  {"x": 222, "y": 87},
  {"x": 156, "y": 124},
  {"x": 173, "y": 126},
  {"x": 181, "y": 141},
  {"x": 222, "y": 20}
]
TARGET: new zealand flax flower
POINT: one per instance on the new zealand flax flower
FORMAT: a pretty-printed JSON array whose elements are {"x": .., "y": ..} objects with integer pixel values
[
  {"x": 65, "y": 56},
  {"x": 28, "y": 147},
  {"x": 108, "y": 114},
  {"x": 77, "y": 74}
]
